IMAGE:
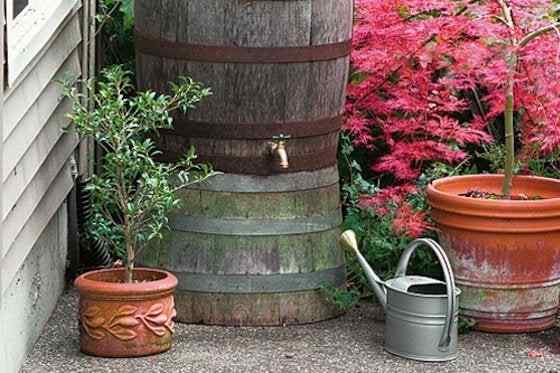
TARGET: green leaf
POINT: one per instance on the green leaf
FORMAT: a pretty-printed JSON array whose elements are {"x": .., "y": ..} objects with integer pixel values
[{"x": 127, "y": 8}]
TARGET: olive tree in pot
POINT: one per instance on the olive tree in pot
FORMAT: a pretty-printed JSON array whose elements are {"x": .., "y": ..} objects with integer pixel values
[
  {"x": 502, "y": 232},
  {"x": 129, "y": 311}
]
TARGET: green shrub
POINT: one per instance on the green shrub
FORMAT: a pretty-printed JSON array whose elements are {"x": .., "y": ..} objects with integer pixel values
[
  {"x": 380, "y": 244},
  {"x": 116, "y": 23},
  {"x": 132, "y": 193}
]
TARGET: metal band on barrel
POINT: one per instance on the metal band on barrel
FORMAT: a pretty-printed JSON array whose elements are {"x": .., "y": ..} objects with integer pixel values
[
  {"x": 249, "y": 227},
  {"x": 257, "y": 131},
  {"x": 246, "y": 284},
  {"x": 282, "y": 183},
  {"x": 227, "y": 54}
]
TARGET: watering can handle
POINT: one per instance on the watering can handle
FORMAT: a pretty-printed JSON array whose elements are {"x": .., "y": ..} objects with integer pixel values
[{"x": 449, "y": 281}]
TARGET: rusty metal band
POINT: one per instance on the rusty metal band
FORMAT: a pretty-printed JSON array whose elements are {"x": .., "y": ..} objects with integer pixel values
[
  {"x": 256, "y": 131},
  {"x": 262, "y": 166},
  {"x": 228, "y": 54},
  {"x": 247, "y": 284}
]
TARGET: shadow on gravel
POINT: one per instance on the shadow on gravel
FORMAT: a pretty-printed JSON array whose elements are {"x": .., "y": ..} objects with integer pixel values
[{"x": 549, "y": 339}]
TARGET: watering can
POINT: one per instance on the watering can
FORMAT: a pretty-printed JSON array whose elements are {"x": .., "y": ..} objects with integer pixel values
[{"x": 421, "y": 313}]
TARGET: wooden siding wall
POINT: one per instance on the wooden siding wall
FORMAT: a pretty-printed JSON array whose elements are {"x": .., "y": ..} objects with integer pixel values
[
  {"x": 2, "y": 60},
  {"x": 37, "y": 159}
]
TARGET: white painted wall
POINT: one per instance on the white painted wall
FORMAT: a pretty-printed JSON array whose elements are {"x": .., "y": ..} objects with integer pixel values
[
  {"x": 36, "y": 176},
  {"x": 3, "y": 348},
  {"x": 32, "y": 295}
]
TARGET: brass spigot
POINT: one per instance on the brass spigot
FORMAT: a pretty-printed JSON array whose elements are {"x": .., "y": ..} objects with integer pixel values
[{"x": 278, "y": 150}]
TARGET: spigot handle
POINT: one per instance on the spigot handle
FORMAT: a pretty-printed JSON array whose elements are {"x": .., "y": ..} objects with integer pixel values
[{"x": 281, "y": 137}]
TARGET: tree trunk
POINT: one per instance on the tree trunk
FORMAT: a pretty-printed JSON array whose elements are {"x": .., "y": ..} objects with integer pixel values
[{"x": 509, "y": 129}]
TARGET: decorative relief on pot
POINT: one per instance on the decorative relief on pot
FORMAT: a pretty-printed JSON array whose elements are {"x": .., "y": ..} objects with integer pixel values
[
  {"x": 124, "y": 323},
  {"x": 240, "y": 314}
]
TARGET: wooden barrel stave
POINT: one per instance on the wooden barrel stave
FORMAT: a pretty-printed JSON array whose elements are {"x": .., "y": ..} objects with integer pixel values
[
  {"x": 290, "y": 205},
  {"x": 268, "y": 253},
  {"x": 253, "y": 246},
  {"x": 308, "y": 92},
  {"x": 270, "y": 309},
  {"x": 247, "y": 23},
  {"x": 200, "y": 253},
  {"x": 253, "y": 273},
  {"x": 287, "y": 92}
]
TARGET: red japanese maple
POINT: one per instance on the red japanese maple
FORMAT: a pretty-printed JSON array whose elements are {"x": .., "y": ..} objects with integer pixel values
[{"x": 432, "y": 74}]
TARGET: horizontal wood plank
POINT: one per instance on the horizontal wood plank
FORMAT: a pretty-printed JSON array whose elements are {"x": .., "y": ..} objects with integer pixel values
[
  {"x": 35, "y": 35},
  {"x": 49, "y": 205},
  {"x": 36, "y": 171},
  {"x": 48, "y": 147},
  {"x": 17, "y": 145},
  {"x": 17, "y": 216},
  {"x": 55, "y": 66},
  {"x": 17, "y": 211},
  {"x": 3, "y": 351}
]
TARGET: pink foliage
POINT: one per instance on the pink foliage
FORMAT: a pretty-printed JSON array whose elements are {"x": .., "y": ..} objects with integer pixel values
[
  {"x": 406, "y": 221},
  {"x": 389, "y": 196},
  {"x": 409, "y": 222},
  {"x": 416, "y": 69},
  {"x": 418, "y": 65}
]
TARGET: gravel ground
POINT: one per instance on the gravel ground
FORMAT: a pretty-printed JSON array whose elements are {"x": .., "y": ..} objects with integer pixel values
[{"x": 352, "y": 343}]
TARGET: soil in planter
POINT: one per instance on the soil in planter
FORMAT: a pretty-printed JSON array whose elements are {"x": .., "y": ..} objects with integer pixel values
[
  {"x": 134, "y": 281},
  {"x": 478, "y": 194}
]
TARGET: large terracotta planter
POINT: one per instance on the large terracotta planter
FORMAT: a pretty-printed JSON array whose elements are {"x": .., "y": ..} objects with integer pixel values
[
  {"x": 505, "y": 253},
  {"x": 126, "y": 319}
]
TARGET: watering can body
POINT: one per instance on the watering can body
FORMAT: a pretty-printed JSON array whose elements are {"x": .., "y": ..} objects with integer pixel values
[
  {"x": 421, "y": 313},
  {"x": 414, "y": 323}
]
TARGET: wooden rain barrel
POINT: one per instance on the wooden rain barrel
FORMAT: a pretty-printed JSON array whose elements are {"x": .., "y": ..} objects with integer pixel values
[{"x": 253, "y": 246}]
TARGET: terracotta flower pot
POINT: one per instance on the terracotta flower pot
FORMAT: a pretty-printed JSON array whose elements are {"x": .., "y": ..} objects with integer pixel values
[
  {"x": 505, "y": 253},
  {"x": 120, "y": 319}
]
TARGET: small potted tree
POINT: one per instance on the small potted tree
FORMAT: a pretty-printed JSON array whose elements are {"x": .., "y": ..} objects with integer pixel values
[
  {"x": 434, "y": 80},
  {"x": 129, "y": 311},
  {"x": 503, "y": 231}
]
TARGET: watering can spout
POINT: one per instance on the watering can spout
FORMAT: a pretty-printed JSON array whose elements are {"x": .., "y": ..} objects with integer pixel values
[{"x": 349, "y": 241}]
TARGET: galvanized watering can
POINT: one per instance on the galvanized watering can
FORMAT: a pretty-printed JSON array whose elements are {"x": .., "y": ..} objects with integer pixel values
[{"x": 421, "y": 313}]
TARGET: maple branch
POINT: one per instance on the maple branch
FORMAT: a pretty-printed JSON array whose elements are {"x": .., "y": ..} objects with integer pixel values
[
  {"x": 478, "y": 102},
  {"x": 512, "y": 61},
  {"x": 506, "y": 10},
  {"x": 106, "y": 17},
  {"x": 532, "y": 35},
  {"x": 502, "y": 20},
  {"x": 510, "y": 131},
  {"x": 464, "y": 8}
]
